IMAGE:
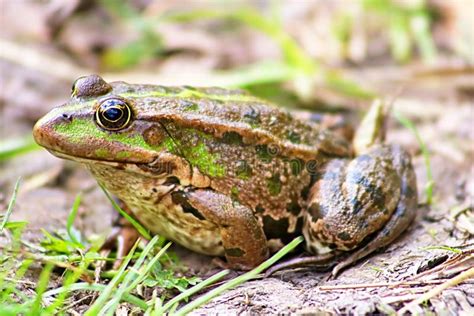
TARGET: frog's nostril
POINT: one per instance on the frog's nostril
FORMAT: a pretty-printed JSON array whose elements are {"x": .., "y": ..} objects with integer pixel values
[{"x": 67, "y": 117}]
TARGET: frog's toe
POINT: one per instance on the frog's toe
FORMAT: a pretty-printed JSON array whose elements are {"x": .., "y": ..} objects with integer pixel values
[
  {"x": 122, "y": 238},
  {"x": 320, "y": 262}
]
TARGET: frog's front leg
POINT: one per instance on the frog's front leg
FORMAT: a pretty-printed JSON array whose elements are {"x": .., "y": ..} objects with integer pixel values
[
  {"x": 244, "y": 241},
  {"x": 371, "y": 197}
]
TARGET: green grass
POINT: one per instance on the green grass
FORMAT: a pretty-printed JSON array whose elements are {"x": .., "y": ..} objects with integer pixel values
[
  {"x": 296, "y": 65},
  {"x": 445, "y": 248},
  {"x": 9, "y": 211},
  {"x": 15, "y": 147},
  {"x": 68, "y": 265}
]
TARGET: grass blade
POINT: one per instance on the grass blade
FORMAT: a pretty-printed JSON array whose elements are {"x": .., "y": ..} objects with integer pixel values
[
  {"x": 98, "y": 288},
  {"x": 10, "y": 205},
  {"x": 41, "y": 288},
  {"x": 71, "y": 218},
  {"x": 15, "y": 147},
  {"x": 102, "y": 299},
  {"x": 192, "y": 291},
  {"x": 240, "y": 279},
  {"x": 131, "y": 280}
]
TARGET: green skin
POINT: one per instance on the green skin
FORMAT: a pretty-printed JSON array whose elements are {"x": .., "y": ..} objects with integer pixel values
[{"x": 227, "y": 174}]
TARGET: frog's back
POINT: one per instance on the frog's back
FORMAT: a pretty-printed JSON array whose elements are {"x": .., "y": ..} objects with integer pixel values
[{"x": 231, "y": 115}]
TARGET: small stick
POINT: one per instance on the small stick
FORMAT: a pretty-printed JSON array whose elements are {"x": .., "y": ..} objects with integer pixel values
[
  {"x": 380, "y": 284},
  {"x": 437, "y": 290}
]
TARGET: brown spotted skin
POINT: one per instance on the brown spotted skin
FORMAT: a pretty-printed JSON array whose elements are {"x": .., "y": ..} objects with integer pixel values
[{"x": 226, "y": 174}]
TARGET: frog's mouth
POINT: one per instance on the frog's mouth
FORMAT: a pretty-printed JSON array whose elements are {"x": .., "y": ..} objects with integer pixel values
[
  {"x": 83, "y": 159},
  {"x": 144, "y": 169}
]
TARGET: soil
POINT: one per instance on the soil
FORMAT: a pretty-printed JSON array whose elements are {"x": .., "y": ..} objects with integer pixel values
[
  {"x": 439, "y": 100},
  {"x": 444, "y": 121}
]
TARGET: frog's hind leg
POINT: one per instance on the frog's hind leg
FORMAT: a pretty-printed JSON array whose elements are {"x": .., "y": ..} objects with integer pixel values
[
  {"x": 370, "y": 196},
  {"x": 402, "y": 216}
]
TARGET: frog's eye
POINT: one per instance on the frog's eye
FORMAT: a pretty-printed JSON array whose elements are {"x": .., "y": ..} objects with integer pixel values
[{"x": 113, "y": 114}]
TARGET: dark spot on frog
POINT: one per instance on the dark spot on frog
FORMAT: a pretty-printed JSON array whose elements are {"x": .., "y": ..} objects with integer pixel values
[
  {"x": 293, "y": 207},
  {"x": 274, "y": 184},
  {"x": 243, "y": 170},
  {"x": 190, "y": 88},
  {"x": 234, "y": 252},
  {"x": 180, "y": 198},
  {"x": 188, "y": 105},
  {"x": 252, "y": 117},
  {"x": 259, "y": 209},
  {"x": 233, "y": 138},
  {"x": 263, "y": 153},
  {"x": 305, "y": 191},
  {"x": 356, "y": 205},
  {"x": 171, "y": 180},
  {"x": 275, "y": 228},
  {"x": 409, "y": 192},
  {"x": 375, "y": 192},
  {"x": 314, "y": 211},
  {"x": 120, "y": 166},
  {"x": 294, "y": 137},
  {"x": 154, "y": 190},
  {"x": 344, "y": 236},
  {"x": 154, "y": 135},
  {"x": 278, "y": 229}
]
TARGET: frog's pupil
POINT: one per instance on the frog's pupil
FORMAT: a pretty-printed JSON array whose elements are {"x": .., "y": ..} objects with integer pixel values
[{"x": 113, "y": 114}]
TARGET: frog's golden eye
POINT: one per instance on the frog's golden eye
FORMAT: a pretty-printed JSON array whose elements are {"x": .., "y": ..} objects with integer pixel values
[{"x": 113, "y": 114}]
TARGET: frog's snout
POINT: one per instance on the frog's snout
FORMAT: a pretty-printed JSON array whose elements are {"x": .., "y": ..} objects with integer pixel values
[{"x": 44, "y": 131}]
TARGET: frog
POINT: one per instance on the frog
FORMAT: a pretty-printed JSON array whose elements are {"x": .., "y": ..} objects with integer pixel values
[{"x": 227, "y": 174}]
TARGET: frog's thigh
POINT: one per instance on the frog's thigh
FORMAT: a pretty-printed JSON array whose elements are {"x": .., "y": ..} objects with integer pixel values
[
  {"x": 402, "y": 216},
  {"x": 352, "y": 199},
  {"x": 243, "y": 238}
]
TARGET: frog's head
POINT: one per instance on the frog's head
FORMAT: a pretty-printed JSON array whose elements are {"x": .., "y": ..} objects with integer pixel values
[{"x": 102, "y": 122}]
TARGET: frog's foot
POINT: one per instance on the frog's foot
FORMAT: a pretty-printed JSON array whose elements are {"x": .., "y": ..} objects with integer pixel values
[
  {"x": 122, "y": 237},
  {"x": 223, "y": 264},
  {"x": 323, "y": 261},
  {"x": 243, "y": 239},
  {"x": 372, "y": 195},
  {"x": 401, "y": 218}
]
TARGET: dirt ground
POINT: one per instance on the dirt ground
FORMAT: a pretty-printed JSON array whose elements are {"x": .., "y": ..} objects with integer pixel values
[
  {"x": 444, "y": 120},
  {"x": 440, "y": 102}
]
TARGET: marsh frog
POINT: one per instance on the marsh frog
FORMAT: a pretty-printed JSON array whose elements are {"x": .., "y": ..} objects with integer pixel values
[{"x": 225, "y": 173}]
